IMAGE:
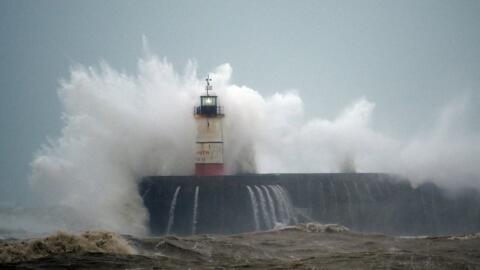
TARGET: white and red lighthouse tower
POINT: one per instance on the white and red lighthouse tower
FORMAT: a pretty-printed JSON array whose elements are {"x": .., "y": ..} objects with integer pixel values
[{"x": 209, "y": 117}]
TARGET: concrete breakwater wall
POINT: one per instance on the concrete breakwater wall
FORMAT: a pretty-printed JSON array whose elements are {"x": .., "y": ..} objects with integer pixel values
[{"x": 366, "y": 202}]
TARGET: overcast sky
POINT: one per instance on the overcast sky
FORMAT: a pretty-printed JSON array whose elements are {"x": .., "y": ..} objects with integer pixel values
[{"x": 411, "y": 58}]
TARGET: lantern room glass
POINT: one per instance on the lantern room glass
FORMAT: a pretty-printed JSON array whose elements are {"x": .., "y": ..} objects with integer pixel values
[{"x": 208, "y": 101}]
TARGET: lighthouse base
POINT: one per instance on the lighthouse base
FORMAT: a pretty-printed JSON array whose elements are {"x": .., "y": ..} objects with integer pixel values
[{"x": 209, "y": 169}]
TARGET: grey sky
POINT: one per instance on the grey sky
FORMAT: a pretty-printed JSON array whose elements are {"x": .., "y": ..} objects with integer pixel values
[{"x": 409, "y": 57}]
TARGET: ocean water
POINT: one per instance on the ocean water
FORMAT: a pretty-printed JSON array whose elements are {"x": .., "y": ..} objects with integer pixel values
[{"x": 301, "y": 246}]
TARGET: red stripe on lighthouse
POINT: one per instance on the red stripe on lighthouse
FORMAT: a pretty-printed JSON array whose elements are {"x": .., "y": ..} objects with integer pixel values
[{"x": 208, "y": 169}]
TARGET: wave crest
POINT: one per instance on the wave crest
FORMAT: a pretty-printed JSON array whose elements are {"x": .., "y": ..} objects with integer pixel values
[{"x": 61, "y": 243}]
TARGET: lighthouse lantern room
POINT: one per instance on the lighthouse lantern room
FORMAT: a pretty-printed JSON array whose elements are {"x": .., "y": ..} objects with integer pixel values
[{"x": 209, "y": 118}]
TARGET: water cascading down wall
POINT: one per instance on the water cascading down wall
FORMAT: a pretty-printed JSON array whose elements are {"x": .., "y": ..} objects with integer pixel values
[{"x": 363, "y": 202}]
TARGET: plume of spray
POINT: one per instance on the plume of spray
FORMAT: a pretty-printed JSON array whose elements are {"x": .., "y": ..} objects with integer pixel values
[
  {"x": 119, "y": 128},
  {"x": 448, "y": 154}
]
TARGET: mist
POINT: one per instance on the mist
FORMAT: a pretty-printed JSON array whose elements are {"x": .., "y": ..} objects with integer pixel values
[{"x": 119, "y": 127}]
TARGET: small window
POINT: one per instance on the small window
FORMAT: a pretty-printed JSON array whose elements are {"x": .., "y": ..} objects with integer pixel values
[{"x": 209, "y": 101}]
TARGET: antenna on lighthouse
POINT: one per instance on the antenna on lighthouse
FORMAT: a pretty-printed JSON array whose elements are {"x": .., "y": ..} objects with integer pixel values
[{"x": 208, "y": 86}]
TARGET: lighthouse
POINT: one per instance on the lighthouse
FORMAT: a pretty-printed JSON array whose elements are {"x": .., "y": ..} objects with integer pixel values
[{"x": 209, "y": 117}]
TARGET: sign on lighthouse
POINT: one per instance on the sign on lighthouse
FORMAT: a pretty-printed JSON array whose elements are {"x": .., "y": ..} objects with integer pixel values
[{"x": 209, "y": 118}]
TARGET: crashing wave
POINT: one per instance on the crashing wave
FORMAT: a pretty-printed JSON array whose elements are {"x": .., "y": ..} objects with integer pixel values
[{"x": 62, "y": 243}]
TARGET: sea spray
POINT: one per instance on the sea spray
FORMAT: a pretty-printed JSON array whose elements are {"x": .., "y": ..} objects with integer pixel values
[
  {"x": 282, "y": 211},
  {"x": 195, "y": 211},
  {"x": 254, "y": 203},
  {"x": 291, "y": 212},
  {"x": 171, "y": 213},
  {"x": 263, "y": 205},
  {"x": 284, "y": 205},
  {"x": 271, "y": 204}
]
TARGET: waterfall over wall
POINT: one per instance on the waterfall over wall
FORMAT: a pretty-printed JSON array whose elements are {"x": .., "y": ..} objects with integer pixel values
[{"x": 364, "y": 202}]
